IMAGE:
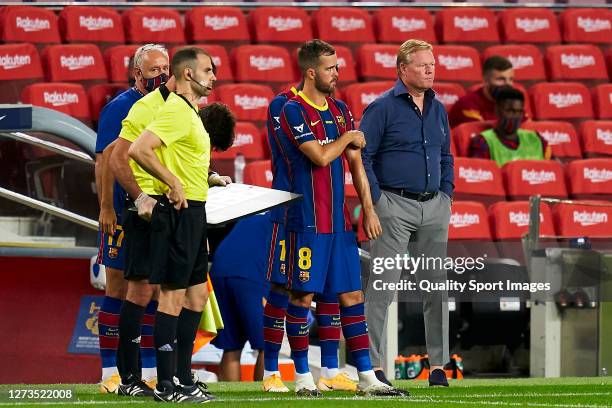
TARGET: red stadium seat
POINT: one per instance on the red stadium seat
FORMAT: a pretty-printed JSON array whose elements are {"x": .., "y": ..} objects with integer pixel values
[
  {"x": 583, "y": 25},
  {"x": 510, "y": 220},
  {"x": 575, "y": 220},
  {"x": 63, "y": 97},
  {"x": 217, "y": 25},
  {"x": 101, "y": 94},
  {"x": 117, "y": 61},
  {"x": 258, "y": 173},
  {"x": 19, "y": 66},
  {"x": 153, "y": 25},
  {"x": 529, "y": 25},
  {"x": 359, "y": 96},
  {"x": 457, "y": 63},
  {"x": 524, "y": 178},
  {"x": 220, "y": 59},
  {"x": 463, "y": 134},
  {"x": 91, "y": 25},
  {"x": 343, "y": 25},
  {"x": 205, "y": 100},
  {"x": 349, "y": 187},
  {"x": 596, "y": 138},
  {"x": 609, "y": 61},
  {"x": 561, "y": 100},
  {"x": 262, "y": 63},
  {"x": 346, "y": 65},
  {"x": 466, "y": 25},
  {"x": 74, "y": 63},
  {"x": 479, "y": 180},
  {"x": 576, "y": 62},
  {"x": 36, "y": 25},
  {"x": 448, "y": 93},
  {"x": 396, "y": 24},
  {"x": 602, "y": 101},
  {"x": 561, "y": 137},
  {"x": 248, "y": 101},
  {"x": 280, "y": 25},
  {"x": 526, "y": 60},
  {"x": 468, "y": 220},
  {"x": 377, "y": 62},
  {"x": 590, "y": 178},
  {"x": 249, "y": 142}
]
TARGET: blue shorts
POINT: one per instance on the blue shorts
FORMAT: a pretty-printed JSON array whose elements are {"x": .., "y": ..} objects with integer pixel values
[
  {"x": 323, "y": 263},
  {"x": 241, "y": 304},
  {"x": 111, "y": 252},
  {"x": 277, "y": 256}
]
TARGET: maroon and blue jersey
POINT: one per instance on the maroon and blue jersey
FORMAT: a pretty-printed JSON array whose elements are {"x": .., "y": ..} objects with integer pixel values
[{"x": 323, "y": 207}]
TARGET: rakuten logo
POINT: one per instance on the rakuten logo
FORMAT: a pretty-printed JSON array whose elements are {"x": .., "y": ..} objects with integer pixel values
[
  {"x": 464, "y": 220},
  {"x": 564, "y": 100},
  {"x": 284, "y": 24},
  {"x": 447, "y": 98},
  {"x": 573, "y": 61},
  {"x": 242, "y": 139},
  {"x": 155, "y": 24},
  {"x": 521, "y": 218},
  {"x": 597, "y": 175},
  {"x": 342, "y": 62},
  {"x": 453, "y": 63},
  {"x": 217, "y": 61},
  {"x": 471, "y": 175},
  {"x": 217, "y": 23},
  {"x": 470, "y": 23},
  {"x": 348, "y": 24},
  {"x": 368, "y": 98},
  {"x": 521, "y": 61},
  {"x": 605, "y": 136},
  {"x": 95, "y": 23},
  {"x": 348, "y": 178},
  {"x": 29, "y": 25},
  {"x": 14, "y": 61},
  {"x": 555, "y": 137},
  {"x": 585, "y": 218},
  {"x": 406, "y": 25},
  {"x": 266, "y": 63},
  {"x": 532, "y": 25},
  {"x": 593, "y": 25},
  {"x": 73, "y": 63},
  {"x": 385, "y": 59},
  {"x": 269, "y": 176},
  {"x": 251, "y": 102},
  {"x": 535, "y": 177},
  {"x": 60, "y": 98}
]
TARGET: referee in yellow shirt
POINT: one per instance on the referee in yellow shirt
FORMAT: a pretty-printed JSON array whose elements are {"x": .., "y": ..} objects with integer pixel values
[{"x": 179, "y": 217}]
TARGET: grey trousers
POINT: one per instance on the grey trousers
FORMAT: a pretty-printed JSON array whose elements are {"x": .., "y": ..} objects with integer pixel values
[{"x": 423, "y": 225}]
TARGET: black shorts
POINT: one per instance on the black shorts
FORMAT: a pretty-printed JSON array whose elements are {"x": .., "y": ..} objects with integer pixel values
[{"x": 184, "y": 262}]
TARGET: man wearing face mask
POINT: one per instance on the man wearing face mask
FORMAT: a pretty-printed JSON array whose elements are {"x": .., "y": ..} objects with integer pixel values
[
  {"x": 506, "y": 141},
  {"x": 479, "y": 105}
]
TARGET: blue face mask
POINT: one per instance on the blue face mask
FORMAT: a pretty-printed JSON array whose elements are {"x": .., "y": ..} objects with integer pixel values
[{"x": 151, "y": 84}]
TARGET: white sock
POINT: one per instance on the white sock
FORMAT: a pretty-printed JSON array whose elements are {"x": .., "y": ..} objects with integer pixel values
[
  {"x": 329, "y": 372},
  {"x": 305, "y": 380},
  {"x": 270, "y": 373},
  {"x": 108, "y": 372},
  {"x": 149, "y": 373},
  {"x": 368, "y": 377}
]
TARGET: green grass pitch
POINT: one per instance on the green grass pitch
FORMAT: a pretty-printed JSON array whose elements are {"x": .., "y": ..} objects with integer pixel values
[{"x": 557, "y": 392}]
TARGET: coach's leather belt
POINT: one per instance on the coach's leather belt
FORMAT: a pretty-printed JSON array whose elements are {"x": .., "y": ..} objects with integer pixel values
[{"x": 410, "y": 195}]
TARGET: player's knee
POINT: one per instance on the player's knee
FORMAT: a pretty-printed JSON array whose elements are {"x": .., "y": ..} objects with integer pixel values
[
  {"x": 351, "y": 298},
  {"x": 275, "y": 287},
  {"x": 196, "y": 297},
  {"x": 139, "y": 292},
  {"x": 116, "y": 286},
  {"x": 301, "y": 299}
]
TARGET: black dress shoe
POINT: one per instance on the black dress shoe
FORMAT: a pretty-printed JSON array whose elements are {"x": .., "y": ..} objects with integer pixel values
[
  {"x": 437, "y": 378},
  {"x": 380, "y": 375}
]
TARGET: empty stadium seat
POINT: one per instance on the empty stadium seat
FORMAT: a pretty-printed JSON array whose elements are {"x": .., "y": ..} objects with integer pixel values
[
  {"x": 466, "y": 25},
  {"x": 346, "y": 65},
  {"x": 561, "y": 100},
  {"x": 343, "y": 25},
  {"x": 280, "y": 25},
  {"x": 19, "y": 66},
  {"x": 463, "y": 134},
  {"x": 524, "y": 178},
  {"x": 220, "y": 59},
  {"x": 258, "y": 173},
  {"x": 468, "y": 220},
  {"x": 118, "y": 60},
  {"x": 596, "y": 138},
  {"x": 478, "y": 180},
  {"x": 590, "y": 178},
  {"x": 101, "y": 94},
  {"x": 70, "y": 99},
  {"x": 217, "y": 25},
  {"x": 448, "y": 93},
  {"x": 397, "y": 24},
  {"x": 526, "y": 60},
  {"x": 82, "y": 62},
  {"x": 584, "y": 25},
  {"x": 36, "y": 25},
  {"x": 602, "y": 101},
  {"x": 529, "y": 25},
  {"x": 377, "y": 62},
  {"x": 510, "y": 220},
  {"x": 359, "y": 96},
  {"x": 576, "y": 220},
  {"x": 576, "y": 62},
  {"x": 457, "y": 63},
  {"x": 91, "y": 25},
  {"x": 153, "y": 25},
  {"x": 248, "y": 102},
  {"x": 561, "y": 137},
  {"x": 262, "y": 63},
  {"x": 249, "y": 142}
]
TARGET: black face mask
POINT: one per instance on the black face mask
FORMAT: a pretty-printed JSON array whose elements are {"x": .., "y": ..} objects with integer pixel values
[
  {"x": 132, "y": 82},
  {"x": 509, "y": 125},
  {"x": 151, "y": 84}
]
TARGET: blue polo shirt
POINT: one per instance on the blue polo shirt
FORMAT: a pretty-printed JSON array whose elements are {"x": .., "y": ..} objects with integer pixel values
[{"x": 405, "y": 148}]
